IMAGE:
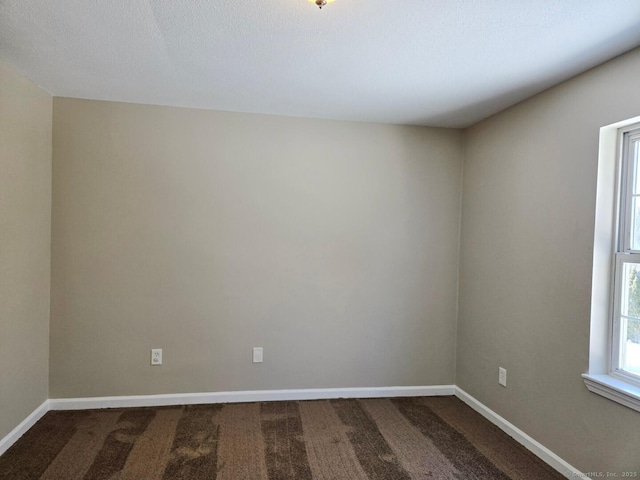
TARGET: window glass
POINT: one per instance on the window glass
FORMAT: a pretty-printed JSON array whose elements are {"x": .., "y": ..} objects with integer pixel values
[
  {"x": 634, "y": 148},
  {"x": 630, "y": 319}
]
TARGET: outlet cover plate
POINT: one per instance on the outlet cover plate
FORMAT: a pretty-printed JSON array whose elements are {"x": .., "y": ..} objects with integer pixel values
[
  {"x": 156, "y": 356},
  {"x": 502, "y": 376},
  {"x": 257, "y": 354}
]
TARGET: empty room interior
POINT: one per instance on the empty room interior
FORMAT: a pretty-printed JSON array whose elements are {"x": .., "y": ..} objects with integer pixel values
[{"x": 404, "y": 232}]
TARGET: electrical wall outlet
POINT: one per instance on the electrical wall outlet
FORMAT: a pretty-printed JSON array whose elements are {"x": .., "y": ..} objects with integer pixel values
[
  {"x": 257, "y": 354},
  {"x": 156, "y": 356},
  {"x": 502, "y": 376}
]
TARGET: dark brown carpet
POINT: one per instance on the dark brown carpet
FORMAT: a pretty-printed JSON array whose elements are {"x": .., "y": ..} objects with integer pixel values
[{"x": 374, "y": 439}]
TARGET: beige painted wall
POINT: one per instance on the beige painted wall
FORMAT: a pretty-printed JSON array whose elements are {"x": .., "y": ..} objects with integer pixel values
[
  {"x": 526, "y": 257},
  {"x": 25, "y": 234},
  {"x": 333, "y": 245}
]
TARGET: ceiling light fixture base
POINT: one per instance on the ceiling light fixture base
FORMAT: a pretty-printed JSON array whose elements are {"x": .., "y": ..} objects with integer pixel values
[{"x": 321, "y": 3}]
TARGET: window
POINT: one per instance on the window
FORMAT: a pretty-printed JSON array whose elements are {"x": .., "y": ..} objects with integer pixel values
[
  {"x": 614, "y": 348},
  {"x": 625, "y": 337}
]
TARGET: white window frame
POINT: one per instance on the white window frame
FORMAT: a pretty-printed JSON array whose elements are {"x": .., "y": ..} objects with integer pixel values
[
  {"x": 627, "y": 176},
  {"x": 611, "y": 250},
  {"x": 625, "y": 253}
]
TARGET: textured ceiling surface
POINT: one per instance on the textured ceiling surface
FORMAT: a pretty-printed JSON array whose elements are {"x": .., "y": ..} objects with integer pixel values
[{"x": 427, "y": 62}]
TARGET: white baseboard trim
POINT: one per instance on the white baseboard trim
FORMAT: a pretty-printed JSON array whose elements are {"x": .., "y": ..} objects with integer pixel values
[
  {"x": 518, "y": 435},
  {"x": 247, "y": 396},
  {"x": 22, "y": 428}
]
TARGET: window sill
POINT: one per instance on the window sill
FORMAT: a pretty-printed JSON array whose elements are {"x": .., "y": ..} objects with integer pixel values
[{"x": 614, "y": 389}]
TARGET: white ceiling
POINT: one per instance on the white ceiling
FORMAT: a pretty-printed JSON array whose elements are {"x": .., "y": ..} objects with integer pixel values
[{"x": 428, "y": 62}]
